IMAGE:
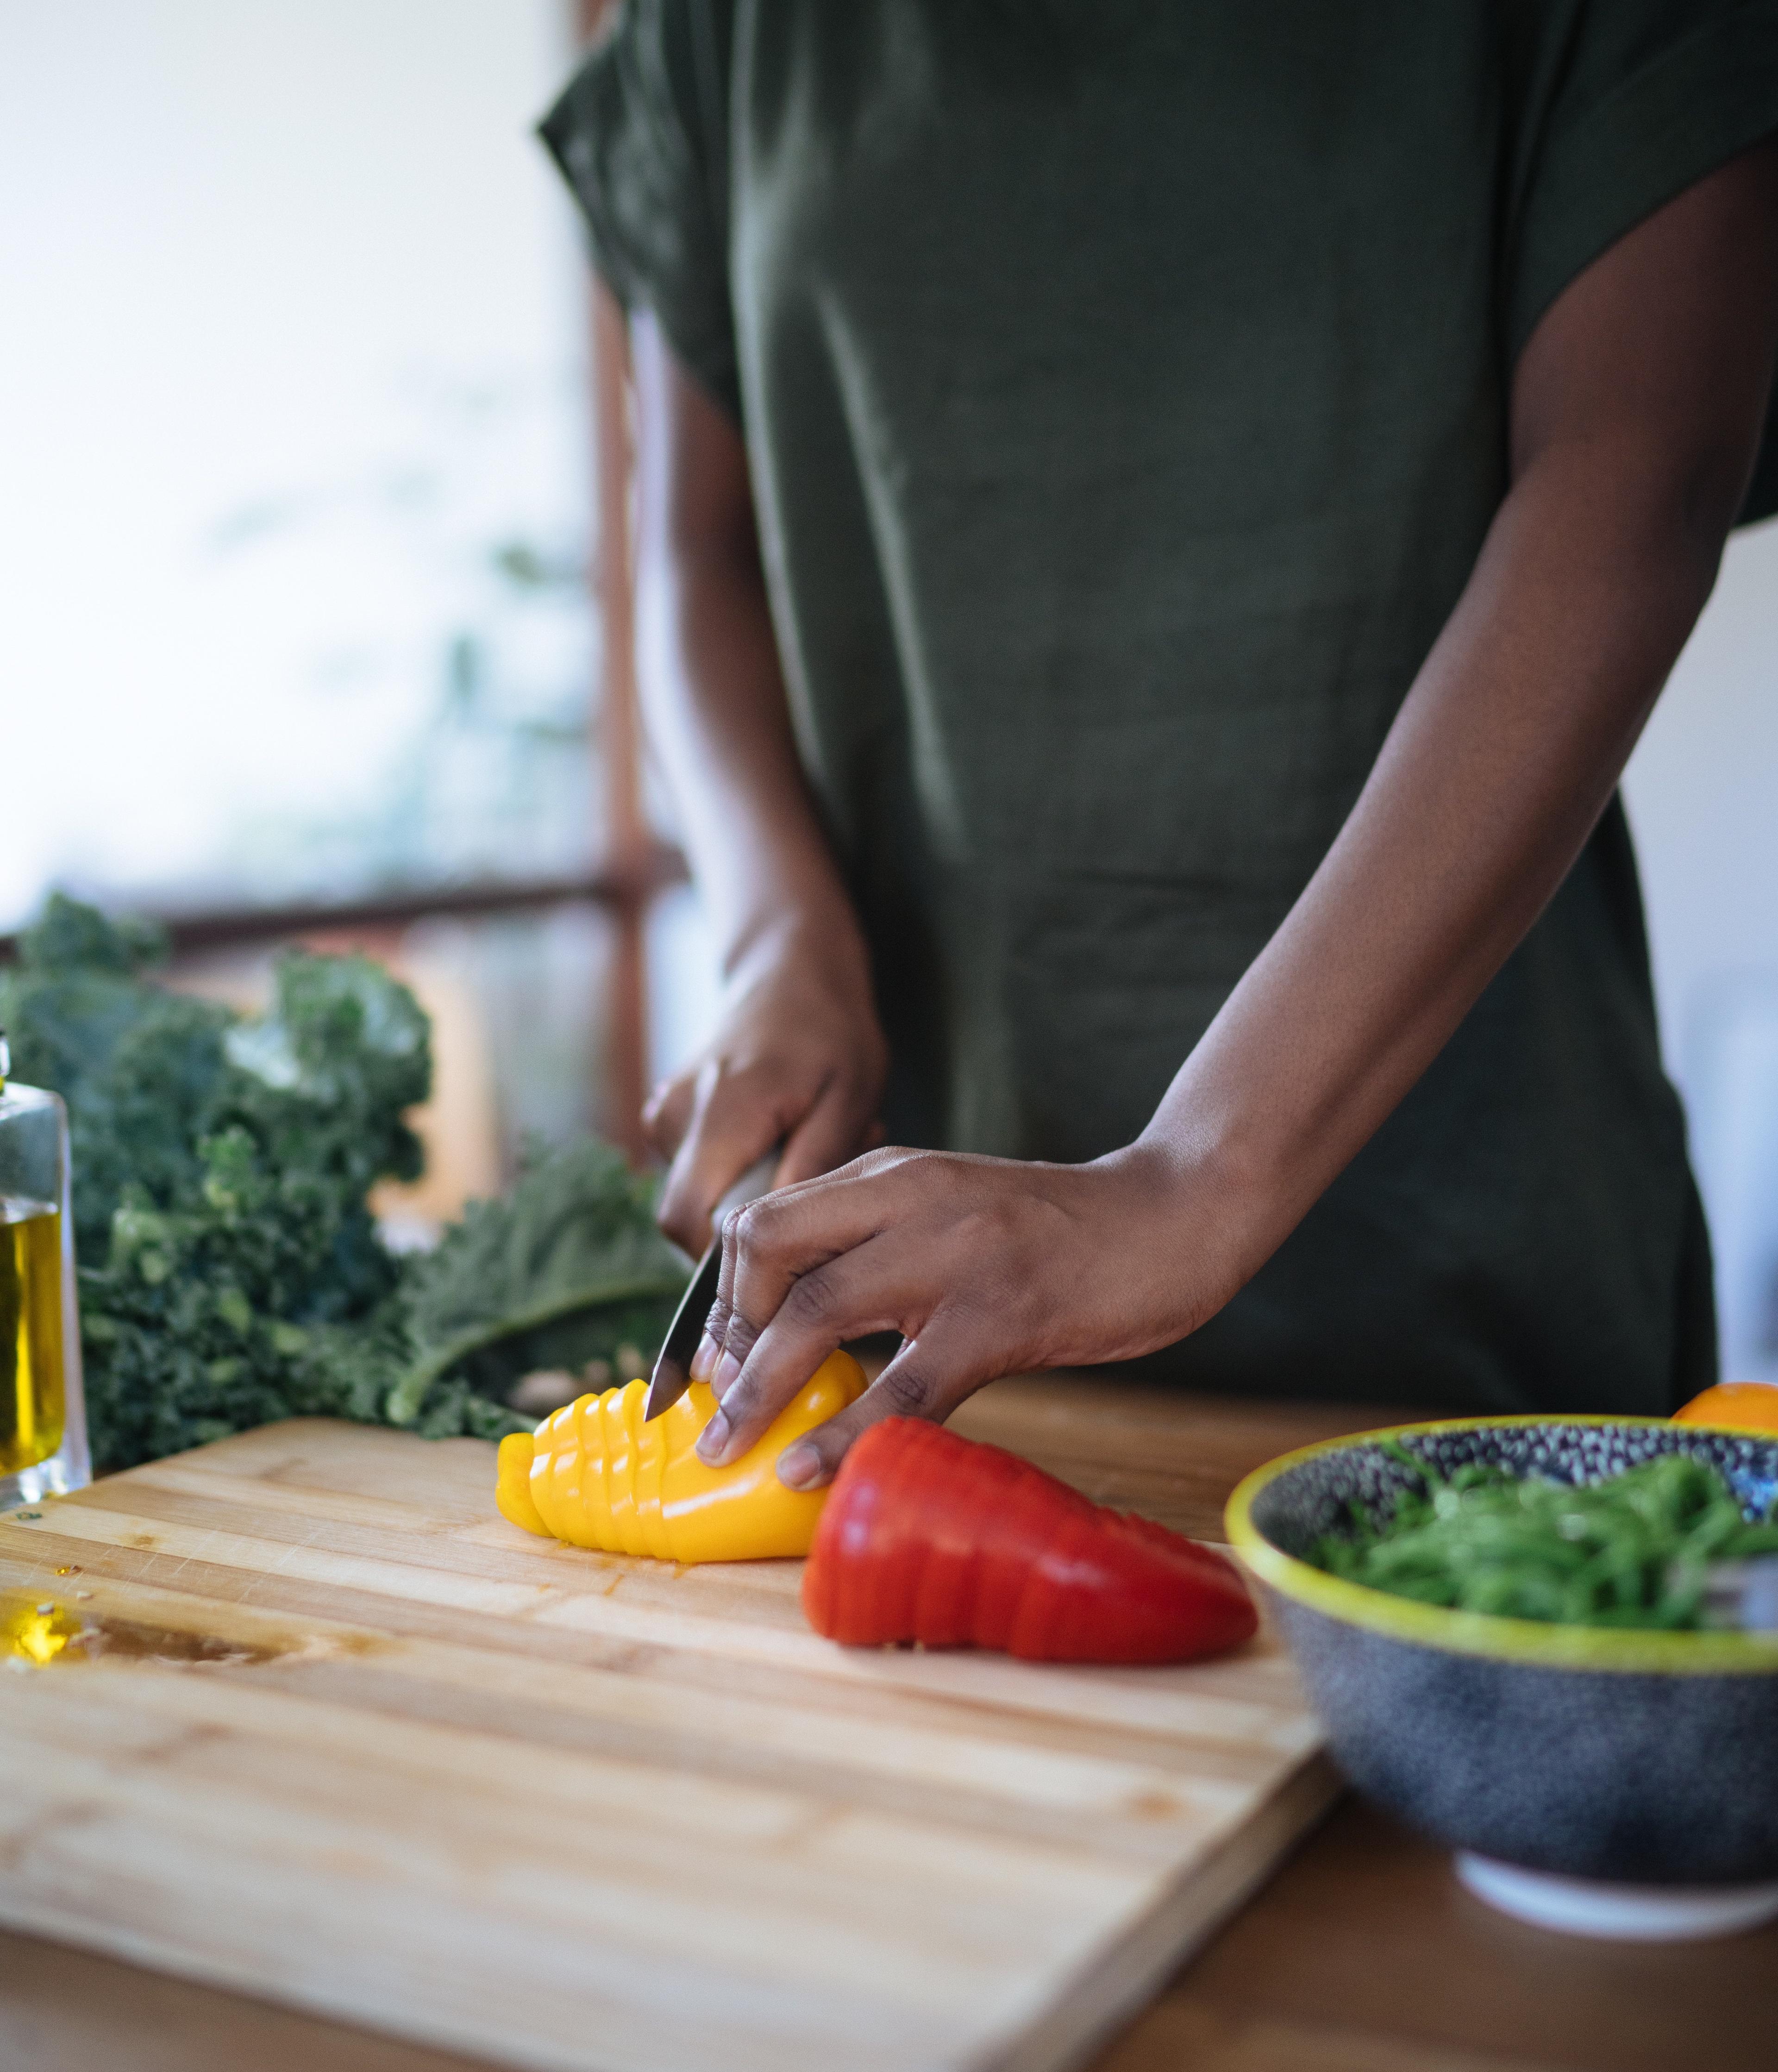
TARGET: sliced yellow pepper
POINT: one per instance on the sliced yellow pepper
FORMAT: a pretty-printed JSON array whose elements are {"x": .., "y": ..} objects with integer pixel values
[{"x": 596, "y": 1475}]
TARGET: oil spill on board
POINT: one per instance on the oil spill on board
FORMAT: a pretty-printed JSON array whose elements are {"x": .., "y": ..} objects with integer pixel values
[{"x": 38, "y": 1632}]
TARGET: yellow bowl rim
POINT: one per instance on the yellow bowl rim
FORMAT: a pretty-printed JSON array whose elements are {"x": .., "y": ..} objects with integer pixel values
[{"x": 1625, "y": 1650}]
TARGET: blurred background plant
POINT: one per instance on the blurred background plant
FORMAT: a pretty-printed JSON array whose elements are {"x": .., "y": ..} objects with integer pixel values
[{"x": 231, "y": 1272}]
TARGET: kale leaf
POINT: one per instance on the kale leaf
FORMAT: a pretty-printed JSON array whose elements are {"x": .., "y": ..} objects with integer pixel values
[{"x": 567, "y": 1268}]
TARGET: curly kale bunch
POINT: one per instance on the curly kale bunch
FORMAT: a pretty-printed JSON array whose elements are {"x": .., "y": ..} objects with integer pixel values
[{"x": 231, "y": 1272}]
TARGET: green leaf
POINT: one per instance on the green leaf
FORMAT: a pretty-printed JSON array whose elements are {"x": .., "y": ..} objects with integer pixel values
[
  {"x": 575, "y": 1236},
  {"x": 70, "y": 937}
]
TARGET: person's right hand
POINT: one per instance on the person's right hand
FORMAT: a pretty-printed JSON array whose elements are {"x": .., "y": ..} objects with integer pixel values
[{"x": 799, "y": 1059}]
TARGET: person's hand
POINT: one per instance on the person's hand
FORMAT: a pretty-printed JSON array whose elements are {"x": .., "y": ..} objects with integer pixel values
[
  {"x": 986, "y": 1266},
  {"x": 798, "y": 1059}
]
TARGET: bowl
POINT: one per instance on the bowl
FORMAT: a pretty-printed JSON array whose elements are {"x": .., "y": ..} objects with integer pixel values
[{"x": 1614, "y": 1781}]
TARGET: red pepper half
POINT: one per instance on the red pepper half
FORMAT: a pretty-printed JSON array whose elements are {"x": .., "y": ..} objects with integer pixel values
[{"x": 930, "y": 1537}]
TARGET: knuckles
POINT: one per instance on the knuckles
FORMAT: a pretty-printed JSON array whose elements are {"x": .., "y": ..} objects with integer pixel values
[
  {"x": 716, "y": 1325},
  {"x": 744, "y": 1229},
  {"x": 739, "y": 1337},
  {"x": 906, "y": 1393},
  {"x": 811, "y": 1302}
]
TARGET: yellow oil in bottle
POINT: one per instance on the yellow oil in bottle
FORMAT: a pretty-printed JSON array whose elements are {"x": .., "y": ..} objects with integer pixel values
[{"x": 31, "y": 1408}]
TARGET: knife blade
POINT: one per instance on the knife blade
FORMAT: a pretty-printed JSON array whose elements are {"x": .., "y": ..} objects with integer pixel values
[{"x": 672, "y": 1374}]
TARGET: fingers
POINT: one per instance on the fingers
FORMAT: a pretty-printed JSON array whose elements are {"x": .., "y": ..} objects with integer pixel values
[
  {"x": 767, "y": 1246},
  {"x": 714, "y": 1124},
  {"x": 799, "y": 1060},
  {"x": 734, "y": 1121},
  {"x": 822, "y": 1264},
  {"x": 837, "y": 1126},
  {"x": 770, "y": 1244},
  {"x": 928, "y": 1377},
  {"x": 828, "y": 1137},
  {"x": 666, "y": 1114},
  {"x": 758, "y": 1372}
]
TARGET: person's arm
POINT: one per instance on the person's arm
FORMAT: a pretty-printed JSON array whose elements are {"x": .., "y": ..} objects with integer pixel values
[
  {"x": 799, "y": 1059},
  {"x": 1636, "y": 413}
]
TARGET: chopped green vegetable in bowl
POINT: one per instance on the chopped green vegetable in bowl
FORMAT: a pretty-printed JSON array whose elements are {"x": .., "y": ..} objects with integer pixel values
[
  {"x": 1630, "y": 1551},
  {"x": 1496, "y": 1620}
]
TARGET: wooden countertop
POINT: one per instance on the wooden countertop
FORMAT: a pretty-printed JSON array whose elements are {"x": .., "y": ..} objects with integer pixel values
[{"x": 1362, "y": 1956}]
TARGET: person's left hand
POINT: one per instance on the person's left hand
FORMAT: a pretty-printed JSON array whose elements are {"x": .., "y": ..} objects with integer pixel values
[{"x": 986, "y": 1267}]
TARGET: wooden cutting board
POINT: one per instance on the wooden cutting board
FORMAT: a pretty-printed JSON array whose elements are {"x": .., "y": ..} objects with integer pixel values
[{"x": 342, "y": 1737}]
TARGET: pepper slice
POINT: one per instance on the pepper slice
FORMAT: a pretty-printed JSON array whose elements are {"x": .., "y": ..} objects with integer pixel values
[
  {"x": 597, "y": 1475},
  {"x": 933, "y": 1538}
]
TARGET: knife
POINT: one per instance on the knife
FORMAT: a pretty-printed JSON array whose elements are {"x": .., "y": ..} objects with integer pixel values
[{"x": 673, "y": 1374}]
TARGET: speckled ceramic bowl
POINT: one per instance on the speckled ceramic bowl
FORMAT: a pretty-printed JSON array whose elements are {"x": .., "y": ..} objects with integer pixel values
[{"x": 1637, "y": 1759}]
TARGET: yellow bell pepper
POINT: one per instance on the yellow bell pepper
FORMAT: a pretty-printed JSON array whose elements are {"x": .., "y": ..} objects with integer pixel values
[{"x": 596, "y": 1475}]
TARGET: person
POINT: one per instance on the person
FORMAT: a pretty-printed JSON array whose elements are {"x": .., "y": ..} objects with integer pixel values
[{"x": 1159, "y": 525}]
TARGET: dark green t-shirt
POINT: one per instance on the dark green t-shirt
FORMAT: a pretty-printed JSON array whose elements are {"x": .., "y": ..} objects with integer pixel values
[{"x": 1125, "y": 384}]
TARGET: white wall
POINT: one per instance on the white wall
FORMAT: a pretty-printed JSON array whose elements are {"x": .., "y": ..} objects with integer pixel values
[{"x": 1702, "y": 790}]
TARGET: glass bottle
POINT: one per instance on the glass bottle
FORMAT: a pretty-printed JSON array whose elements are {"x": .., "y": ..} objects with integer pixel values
[{"x": 43, "y": 1409}]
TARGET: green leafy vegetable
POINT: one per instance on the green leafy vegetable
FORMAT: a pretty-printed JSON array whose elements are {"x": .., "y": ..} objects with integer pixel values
[
  {"x": 565, "y": 1270},
  {"x": 1630, "y": 1551},
  {"x": 231, "y": 1271}
]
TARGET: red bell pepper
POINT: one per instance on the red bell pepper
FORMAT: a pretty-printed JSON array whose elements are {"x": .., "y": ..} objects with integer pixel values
[{"x": 930, "y": 1537}]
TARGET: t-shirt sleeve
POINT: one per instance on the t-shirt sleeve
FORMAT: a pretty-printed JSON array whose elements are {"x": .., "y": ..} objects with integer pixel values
[
  {"x": 1625, "y": 103},
  {"x": 641, "y": 137}
]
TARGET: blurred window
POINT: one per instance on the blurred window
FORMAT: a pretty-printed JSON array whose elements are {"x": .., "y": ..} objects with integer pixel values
[{"x": 293, "y": 412}]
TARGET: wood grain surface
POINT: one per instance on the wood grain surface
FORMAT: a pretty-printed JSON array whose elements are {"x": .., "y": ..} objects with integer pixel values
[
  {"x": 1365, "y": 1955},
  {"x": 359, "y": 1746},
  {"x": 1361, "y": 1955}
]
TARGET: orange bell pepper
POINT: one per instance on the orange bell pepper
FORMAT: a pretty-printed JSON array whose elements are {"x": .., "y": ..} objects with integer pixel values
[
  {"x": 1737, "y": 1406},
  {"x": 596, "y": 1475}
]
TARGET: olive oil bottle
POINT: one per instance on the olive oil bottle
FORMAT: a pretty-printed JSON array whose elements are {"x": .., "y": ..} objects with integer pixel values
[{"x": 42, "y": 1425}]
